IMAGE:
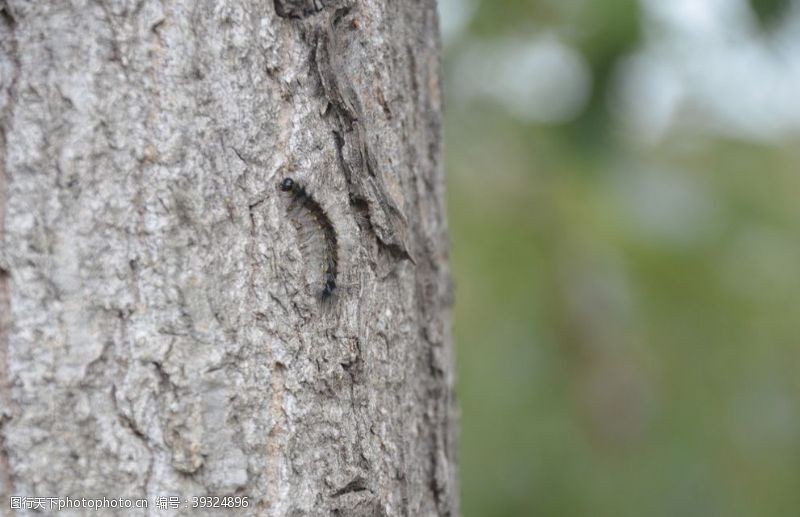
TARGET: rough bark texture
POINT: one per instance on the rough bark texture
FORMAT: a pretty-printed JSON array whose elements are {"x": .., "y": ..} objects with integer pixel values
[{"x": 159, "y": 328}]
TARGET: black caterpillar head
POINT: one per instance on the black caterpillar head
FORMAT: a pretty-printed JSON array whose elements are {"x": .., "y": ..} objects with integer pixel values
[{"x": 287, "y": 184}]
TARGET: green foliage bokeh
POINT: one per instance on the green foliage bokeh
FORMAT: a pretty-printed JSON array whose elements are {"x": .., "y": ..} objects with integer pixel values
[{"x": 626, "y": 318}]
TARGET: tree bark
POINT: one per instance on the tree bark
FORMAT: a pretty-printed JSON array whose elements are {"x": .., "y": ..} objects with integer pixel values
[{"x": 161, "y": 329}]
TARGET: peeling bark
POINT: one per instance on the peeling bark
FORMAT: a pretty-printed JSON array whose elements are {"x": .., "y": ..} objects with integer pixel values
[{"x": 160, "y": 332}]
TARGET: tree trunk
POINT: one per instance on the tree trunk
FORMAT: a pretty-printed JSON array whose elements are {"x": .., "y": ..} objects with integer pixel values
[{"x": 172, "y": 321}]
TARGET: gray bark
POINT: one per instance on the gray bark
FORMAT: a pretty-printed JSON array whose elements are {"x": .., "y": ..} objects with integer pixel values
[{"x": 159, "y": 329}]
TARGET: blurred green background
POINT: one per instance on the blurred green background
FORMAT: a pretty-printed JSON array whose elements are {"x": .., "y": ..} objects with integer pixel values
[{"x": 624, "y": 198}]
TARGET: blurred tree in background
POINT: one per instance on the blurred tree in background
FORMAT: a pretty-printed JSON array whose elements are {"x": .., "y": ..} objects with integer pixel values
[{"x": 624, "y": 180}]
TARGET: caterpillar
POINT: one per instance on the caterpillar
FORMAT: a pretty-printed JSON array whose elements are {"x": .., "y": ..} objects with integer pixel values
[{"x": 315, "y": 234}]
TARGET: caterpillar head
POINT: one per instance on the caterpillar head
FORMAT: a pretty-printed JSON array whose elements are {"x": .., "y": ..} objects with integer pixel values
[{"x": 287, "y": 184}]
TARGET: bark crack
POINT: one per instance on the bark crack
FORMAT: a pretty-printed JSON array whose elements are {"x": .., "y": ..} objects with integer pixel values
[
  {"x": 128, "y": 423},
  {"x": 356, "y": 158},
  {"x": 358, "y": 484}
]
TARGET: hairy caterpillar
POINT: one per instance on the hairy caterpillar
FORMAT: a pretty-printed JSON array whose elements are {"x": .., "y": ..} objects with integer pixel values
[{"x": 315, "y": 235}]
